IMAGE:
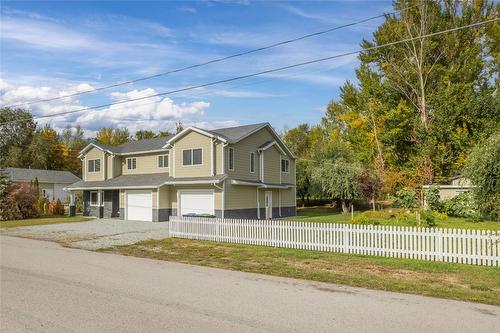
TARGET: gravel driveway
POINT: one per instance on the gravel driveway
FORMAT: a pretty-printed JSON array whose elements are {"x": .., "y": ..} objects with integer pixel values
[{"x": 96, "y": 234}]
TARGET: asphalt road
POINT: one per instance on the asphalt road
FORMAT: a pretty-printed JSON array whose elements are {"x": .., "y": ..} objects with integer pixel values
[{"x": 47, "y": 288}]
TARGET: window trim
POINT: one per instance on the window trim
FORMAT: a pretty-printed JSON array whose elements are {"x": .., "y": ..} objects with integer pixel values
[
  {"x": 192, "y": 157},
  {"x": 165, "y": 157},
  {"x": 93, "y": 160},
  {"x": 287, "y": 165},
  {"x": 229, "y": 150},
  {"x": 131, "y": 159},
  {"x": 252, "y": 162},
  {"x": 96, "y": 204}
]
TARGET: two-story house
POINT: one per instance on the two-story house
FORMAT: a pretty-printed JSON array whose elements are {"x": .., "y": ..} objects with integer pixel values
[{"x": 238, "y": 172}]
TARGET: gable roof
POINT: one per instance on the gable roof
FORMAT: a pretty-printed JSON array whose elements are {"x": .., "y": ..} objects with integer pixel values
[
  {"x": 226, "y": 134},
  {"x": 43, "y": 176}
]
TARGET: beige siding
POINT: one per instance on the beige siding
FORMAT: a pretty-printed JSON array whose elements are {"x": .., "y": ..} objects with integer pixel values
[
  {"x": 165, "y": 201},
  {"x": 193, "y": 140},
  {"x": 242, "y": 152},
  {"x": 238, "y": 196},
  {"x": 154, "y": 198},
  {"x": 289, "y": 177},
  {"x": 146, "y": 164},
  {"x": 272, "y": 165},
  {"x": 122, "y": 198},
  {"x": 93, "y": 154},
  {"x": 288, "y": 197},
  {"x": 218, "y": 158}
]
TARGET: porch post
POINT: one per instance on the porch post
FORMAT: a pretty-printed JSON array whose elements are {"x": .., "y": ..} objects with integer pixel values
[
  {"x": 72, "y": 206},
  {"x": 100, "y": 207}
]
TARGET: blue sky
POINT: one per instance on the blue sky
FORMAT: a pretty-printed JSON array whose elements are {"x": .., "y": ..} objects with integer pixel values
[{"x": 51, "y": 49}]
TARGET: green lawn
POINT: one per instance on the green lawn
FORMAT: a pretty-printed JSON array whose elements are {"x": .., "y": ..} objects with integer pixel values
[
  {"x": 454, "y": 281},
  {"x": 42, "y": 220},
  {"x": 329, "y": 215}
]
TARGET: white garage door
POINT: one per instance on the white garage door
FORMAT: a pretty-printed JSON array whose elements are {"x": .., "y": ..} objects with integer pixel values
[
  {"x": 197, "y": 202},
  {"x": 139, "y": 205}
]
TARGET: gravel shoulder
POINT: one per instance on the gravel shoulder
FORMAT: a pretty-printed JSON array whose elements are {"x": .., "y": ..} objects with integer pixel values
[{"x": 93, "y": 235}]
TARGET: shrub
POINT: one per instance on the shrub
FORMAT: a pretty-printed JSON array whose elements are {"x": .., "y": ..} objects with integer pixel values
[
  {"x": 40, "y": 205},
  {"x": 406, "y": 198},
  {"x": 461, "y": 205},
  {"x": 406, "y": 217},
  {"x": 364, "y": 219},
  {"x": 432, "y": 198},
  {"x": 18, "y": 202},
  {"x": 56, "y": 208},
  {"x": 427, "y": 218}
]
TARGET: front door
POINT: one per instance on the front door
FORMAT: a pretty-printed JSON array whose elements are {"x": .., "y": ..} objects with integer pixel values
[{"x": 269, "y": 205}]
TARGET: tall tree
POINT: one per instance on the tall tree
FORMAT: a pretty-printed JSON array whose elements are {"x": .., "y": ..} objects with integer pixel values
[
  {"x": 113, "y": 137},
  {"x": 16, "y": 132},
  {"x": 144, "y": 134}
]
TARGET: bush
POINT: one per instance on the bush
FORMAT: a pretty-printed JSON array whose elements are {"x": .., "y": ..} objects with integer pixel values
[
  {"x": 406, "y": 198},
  {"x": 432, "y": 198},
  {"x": 364, "y": 219},
  {"x": 427, "y": 218},
  {"x": 56, "y": 208},
  {"x": 18, "y": 202},
  {"x": 461, "y": 206}
]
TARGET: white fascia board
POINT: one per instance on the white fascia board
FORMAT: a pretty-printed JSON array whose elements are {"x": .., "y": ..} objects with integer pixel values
[
  {"x": 272, "y": 144},
  {"x": 189, "y": 129},
  {"x": 90, "y": 145},
  {"x": 187, "y": 182},
  {"x": 260, "y": 185},
  {"x": 110, "y": 188},
  {"x": 163, "y": 150}
]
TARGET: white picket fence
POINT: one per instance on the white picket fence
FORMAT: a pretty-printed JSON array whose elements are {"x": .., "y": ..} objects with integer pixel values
[{"x": 477, "y": 247}]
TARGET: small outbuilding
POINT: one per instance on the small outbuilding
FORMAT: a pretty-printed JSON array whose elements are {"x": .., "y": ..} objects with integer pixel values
[
  {"x": 51, "y": 182},
  {"x": 456, "y": 185}
]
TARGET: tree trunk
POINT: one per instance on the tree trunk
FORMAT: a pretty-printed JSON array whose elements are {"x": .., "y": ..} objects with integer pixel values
[
  {"x": 345, "y": 209},
  {"x": 373, "y": 202}
]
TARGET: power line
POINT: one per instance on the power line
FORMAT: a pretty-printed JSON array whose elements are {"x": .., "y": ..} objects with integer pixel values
[
  {"x": 216, "y": 60},
  {"x": 264, "y": 72}
]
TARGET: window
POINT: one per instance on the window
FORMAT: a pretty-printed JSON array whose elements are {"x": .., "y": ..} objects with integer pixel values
[
  {"x": 285, "y": 166},
  {"x": 131, "y": 163},
  {"x": 231, "y": 159},
  {"x": 93, "y": 198},
  {"x": 252, "y": 162},
  {"x": 192, "y": 157},
  {"x": 94, "y": 165},
  {"x": 163, "y": 161}
]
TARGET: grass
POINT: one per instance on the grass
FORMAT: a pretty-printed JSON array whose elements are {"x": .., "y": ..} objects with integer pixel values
[
  {"x": 454, "y": 281},
  {"x": 327, "y": 214},
  {"x": 42, "y": 220}
]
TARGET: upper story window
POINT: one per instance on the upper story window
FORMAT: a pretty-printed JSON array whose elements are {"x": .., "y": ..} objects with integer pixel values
[
  {"x": 231, "y": 158},
  {"x": 163, "y": 161},
  {"x": 252, "y": 162},
  {"x": 192, "y": 156},
  {"x": 94, "y": 165},
  {"x": 131, "y": 163},
  {"x": 285, "y": 166}
]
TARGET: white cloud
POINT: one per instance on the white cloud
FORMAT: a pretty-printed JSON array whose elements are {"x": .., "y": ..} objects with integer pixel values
[{"x": 158, "y": 113}]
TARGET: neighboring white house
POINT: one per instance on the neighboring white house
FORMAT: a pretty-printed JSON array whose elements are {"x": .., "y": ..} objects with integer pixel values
[
  {"x": 457, "y": 184},
  {"x": 51, "y": 182}
]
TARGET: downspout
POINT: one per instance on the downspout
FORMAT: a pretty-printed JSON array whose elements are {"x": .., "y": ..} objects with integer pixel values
[{"x": 223, "y": 189}]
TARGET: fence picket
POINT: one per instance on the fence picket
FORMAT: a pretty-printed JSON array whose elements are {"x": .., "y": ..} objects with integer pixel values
[{"x": 465, "y": 246}]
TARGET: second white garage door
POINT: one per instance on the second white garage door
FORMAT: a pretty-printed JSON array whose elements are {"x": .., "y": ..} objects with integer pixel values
[
  {"x": 196, "y": 202},
  {"x": 139, "y": 205}
]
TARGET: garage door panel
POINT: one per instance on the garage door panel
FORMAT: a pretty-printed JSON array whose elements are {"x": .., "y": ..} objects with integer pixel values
[
  {"x": 197, "y": 202},
  {"x": 139, "y": 205}
]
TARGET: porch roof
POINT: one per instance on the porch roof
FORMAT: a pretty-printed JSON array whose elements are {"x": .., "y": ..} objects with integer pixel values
[
  {"x": 260, "y": 184},
  {"x": 142, "y": 181}
]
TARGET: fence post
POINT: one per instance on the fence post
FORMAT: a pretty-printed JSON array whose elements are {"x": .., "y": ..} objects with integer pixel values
[
  {"x": 346, "y": 237},
  {"x": 440, "y": 244}
]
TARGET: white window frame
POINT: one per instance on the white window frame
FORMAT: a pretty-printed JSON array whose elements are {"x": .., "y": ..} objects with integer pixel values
[
  {"x": 287, "y": 165},
  {"x": 192, "y": 157},
  {"x": 230, "y": 158},
  {"x": 96, "y": 203},
  {"x": 93, "y": 165},
  {"x": 252, "y": 162},
  {"x": 164, "y": 158},
  {"x": 132, "y": 159}
]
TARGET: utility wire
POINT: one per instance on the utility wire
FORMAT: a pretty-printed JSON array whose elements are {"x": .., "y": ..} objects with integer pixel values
[
  {"x": 264, "y": 72},
  {"x": 216, "y": 60}
]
